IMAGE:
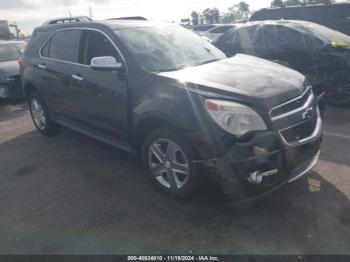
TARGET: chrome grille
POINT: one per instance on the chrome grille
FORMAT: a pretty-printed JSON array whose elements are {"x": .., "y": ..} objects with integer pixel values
[
  {"x": 301, "y": 131},
  {"x": 298, "y": 120},
  {"x": 291, "y": 105}
]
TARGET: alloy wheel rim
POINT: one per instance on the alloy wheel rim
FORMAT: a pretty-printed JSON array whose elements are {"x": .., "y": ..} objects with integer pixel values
[
  {"x": 168, "y": 164},
  {"x": 38, "y": 114}
]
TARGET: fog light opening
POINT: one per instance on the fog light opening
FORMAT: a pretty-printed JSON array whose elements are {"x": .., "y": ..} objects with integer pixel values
[{"x": 258, "y": 176}]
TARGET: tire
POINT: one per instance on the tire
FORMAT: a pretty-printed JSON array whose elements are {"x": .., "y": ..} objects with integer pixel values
[
  {"x": 338, "y": 89},
  {"x": 40, "y": 115},
  {"x": 168, "y": 159}
]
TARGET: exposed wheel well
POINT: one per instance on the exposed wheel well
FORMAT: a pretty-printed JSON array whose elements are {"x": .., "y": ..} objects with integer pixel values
[
  {"x": 29, "y": 89},
  {"x": 144, "y": 128}
]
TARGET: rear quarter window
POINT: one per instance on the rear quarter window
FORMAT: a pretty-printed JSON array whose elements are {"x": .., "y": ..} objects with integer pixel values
[{"x": 62, "y": 46}]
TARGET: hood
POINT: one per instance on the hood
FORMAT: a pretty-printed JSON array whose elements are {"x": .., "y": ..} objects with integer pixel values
[
  {"x": 247, "y": 78},
  {"x": 9, "y": 68}
]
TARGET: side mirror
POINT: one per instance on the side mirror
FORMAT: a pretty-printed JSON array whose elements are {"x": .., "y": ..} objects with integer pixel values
[{"x": 105, "y": 63}]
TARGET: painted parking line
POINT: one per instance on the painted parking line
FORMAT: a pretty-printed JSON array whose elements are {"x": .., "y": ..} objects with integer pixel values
[{"x": 347, "y": 137}]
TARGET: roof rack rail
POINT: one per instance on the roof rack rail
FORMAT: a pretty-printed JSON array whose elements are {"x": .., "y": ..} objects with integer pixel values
[
  {"x": 129, "y": 18},
  {"x": 71, "y": 19}
]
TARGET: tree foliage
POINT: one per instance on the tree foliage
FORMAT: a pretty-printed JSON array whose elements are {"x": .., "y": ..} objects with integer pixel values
[
  {"x": 239, "y": 11},
  {"x": 194, "y": 17},
  {"x": 212, "y": 15}
]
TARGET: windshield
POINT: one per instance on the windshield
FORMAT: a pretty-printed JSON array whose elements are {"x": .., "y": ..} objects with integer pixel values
[
  {"x": 9, "y": 53},
  {"x": 169, "y": 48}
]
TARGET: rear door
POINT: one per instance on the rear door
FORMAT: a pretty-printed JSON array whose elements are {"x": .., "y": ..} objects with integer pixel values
[
  {"x": 57, "y": 57},
  {"x": 100, "y": 96}
]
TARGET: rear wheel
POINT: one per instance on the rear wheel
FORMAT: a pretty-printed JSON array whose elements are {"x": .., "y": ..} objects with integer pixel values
[
  {"x": 338, "y": 89},
  {"x": 168, "y": 158},
  {"x": 40, "y": 115}
]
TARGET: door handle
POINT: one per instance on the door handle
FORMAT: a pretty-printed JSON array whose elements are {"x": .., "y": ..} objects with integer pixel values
[
  {"x": 42, "y": 66},
  {"x": 77, "y": 77}
]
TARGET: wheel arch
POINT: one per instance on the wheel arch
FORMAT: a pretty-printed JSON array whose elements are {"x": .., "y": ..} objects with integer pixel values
[
  {"x": 146, "y": 126},
  {"x": 29, "y": 89}
]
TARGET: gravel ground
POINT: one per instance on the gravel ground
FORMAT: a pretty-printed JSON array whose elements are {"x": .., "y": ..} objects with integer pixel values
[{"x": 70, "y": 194}]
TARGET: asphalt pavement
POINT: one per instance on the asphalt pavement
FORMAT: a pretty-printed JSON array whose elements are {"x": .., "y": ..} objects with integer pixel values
[{"x": 70, "y": 194}]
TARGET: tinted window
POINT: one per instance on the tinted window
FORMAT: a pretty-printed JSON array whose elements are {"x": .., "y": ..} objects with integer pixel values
[
  {"x": 167, "y": 48},
  {"x": 45, "y": 50},
  {"x": 95, "y": 44},
  {"x": 221, "y": 29},
  {"x": 63, "y": 45}
]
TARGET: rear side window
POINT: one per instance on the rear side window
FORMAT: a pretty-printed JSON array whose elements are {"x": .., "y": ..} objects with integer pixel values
[
  {"x": 62, "y": 46},
  {"x": 45, "y": 50},
  {"x": 95, "y": 44}
]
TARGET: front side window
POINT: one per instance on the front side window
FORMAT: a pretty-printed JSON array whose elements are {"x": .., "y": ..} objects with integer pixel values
[
  {"x": 167, "y": 48},
  {"x": 95, "y": 44},
  {"x": 9, "y": 53},
  {"x": 62, "y": 46}
]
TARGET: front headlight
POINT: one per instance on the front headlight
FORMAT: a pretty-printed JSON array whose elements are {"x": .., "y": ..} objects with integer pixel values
[{"x": 235, "y": 118}]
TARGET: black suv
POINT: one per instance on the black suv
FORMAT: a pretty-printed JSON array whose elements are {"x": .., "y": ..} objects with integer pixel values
[{"x": 167, "y": 94}]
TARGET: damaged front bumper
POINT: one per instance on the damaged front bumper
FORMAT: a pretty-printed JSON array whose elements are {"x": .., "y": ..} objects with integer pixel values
[
  {"x": 10, "y": 87},
  {"x": 254, "y": 169}
]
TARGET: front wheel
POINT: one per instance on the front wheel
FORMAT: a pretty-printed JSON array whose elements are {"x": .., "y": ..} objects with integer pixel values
[
  {"x": 168, "y": 158},
  {"x": 40, "y": 115}
]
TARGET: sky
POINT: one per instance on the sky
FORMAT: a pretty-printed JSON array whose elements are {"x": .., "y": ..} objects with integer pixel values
[{"x": 31, "y": 13}]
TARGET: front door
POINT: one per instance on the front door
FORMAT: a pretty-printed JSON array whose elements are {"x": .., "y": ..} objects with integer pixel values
[{"x": 101, "y": 104}]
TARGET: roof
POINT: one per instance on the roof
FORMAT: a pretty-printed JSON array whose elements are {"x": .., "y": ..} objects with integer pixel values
[
  {"x": 125, "y": 24},
  {"x": 115, "y": 24}
]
